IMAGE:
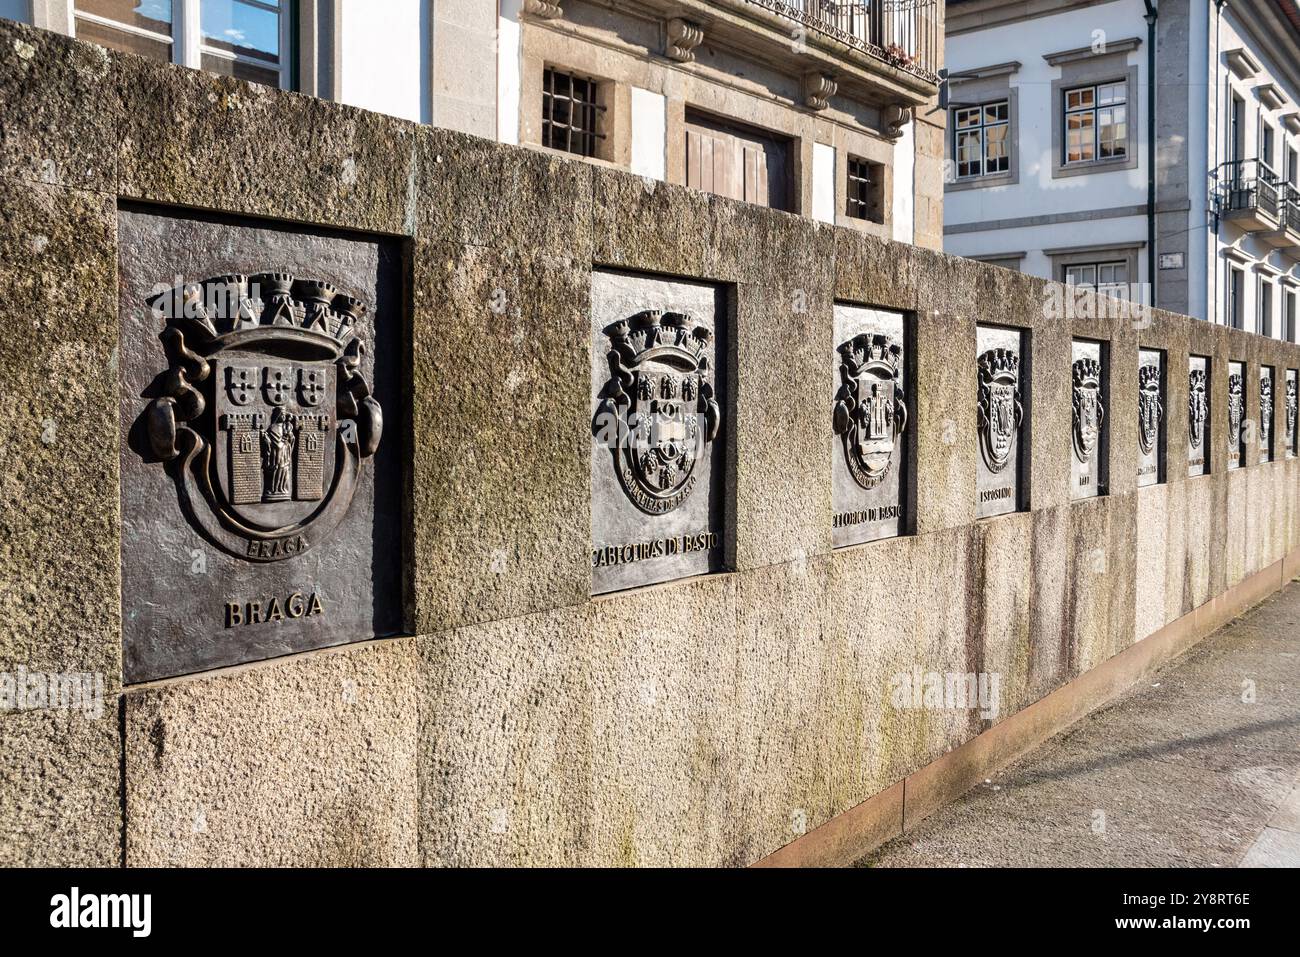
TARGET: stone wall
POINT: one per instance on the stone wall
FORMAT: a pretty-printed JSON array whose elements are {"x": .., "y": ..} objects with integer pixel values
[{"x": 705, "y": 721}]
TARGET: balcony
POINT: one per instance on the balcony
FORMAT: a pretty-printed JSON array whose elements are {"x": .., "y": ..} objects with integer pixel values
[
  {"x": 900, "y": 33},
  {"x": 1287, "y": 236},
  {"x": 1251, "y": 196},
  {"x": 885, "y": 53}
]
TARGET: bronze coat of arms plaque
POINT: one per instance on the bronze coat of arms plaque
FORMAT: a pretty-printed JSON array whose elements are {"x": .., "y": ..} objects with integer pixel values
[
  {"x": 1002, "y": 392},
  {"x": 1265, "y": 431},
  {"x": 1088, "y": 425},
  {"x": 1198, "y": 415},
  {"x": 1289, "y": 421},
  {"x": 1151, "y": 417},
  {"x": 869, "y": 416},
  {"x": 260, "y": 488},
  {"x": 1238, "y": 426},
  {"x": 658, "y": 416}
]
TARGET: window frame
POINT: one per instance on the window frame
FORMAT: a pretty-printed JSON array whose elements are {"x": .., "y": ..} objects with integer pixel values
[
  {"x": 1290, "y": 307},
  {"x": 186, "y": 39},
  {"x": 600, "y": 89},
  {"x": 1096, "y": 265},
  {"x": 1235, "y": 307},
  {"x": 875, "y": 184},
  {"x": 982, "y": 128},
  {"x": 1095, "y": 109},
  {"x": 1265, "y": 295},
  {"x": 1098, "y": 70}
]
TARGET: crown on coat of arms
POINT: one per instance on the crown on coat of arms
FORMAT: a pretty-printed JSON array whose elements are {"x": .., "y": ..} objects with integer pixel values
[
  {"x": 665, "y": 335},
  {"x": 999, "y": 364},
  {"x": 235, "y": 305},
  {"x": 1149, "y": 378},
  {"x": 871, "y": 353},
  {"x": 1196, "y": 380},
  {"x": 1266, "y": 386},
  {"x": 1087, "y": 373},
  {"x": 1234, "y": 384}
]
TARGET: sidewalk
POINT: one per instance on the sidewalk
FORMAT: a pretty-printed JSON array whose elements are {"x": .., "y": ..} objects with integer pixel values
[{"x": 1185, "y": 769}]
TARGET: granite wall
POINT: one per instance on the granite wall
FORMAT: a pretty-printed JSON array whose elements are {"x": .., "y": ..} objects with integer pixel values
[{"x": 707, "y": 721}]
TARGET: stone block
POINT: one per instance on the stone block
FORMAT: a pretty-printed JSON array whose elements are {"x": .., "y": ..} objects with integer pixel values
[
  {"x": 59, "y": 580},
  {"x": 501, "y": 481},
  {"x": 194, "y": 139},
  {"x": 304, "y": 762},
  {"x": 61, "y": 114}
]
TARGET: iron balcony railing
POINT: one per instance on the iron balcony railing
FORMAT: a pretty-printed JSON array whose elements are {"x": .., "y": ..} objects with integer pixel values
[
  {"x": 902, "y": 33},
  {"x": 1293, "y": 209},
  {"x": 1251, "y": 185}
]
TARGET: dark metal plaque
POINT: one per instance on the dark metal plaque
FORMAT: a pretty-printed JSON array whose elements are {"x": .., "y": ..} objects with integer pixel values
[
  {"x": 658, "y": 408},
  {"x": 869, "y": 416},
  {"x": 1151, "y": 417},
  {"x": 260, "y": 490},
  {"x": 1002, "y": 397},
  {"x": 1238, "y": 427},
  {"x": 1289, "y": 422},
  {"x": 1088, "y": 430},
  {"x": 1198, "y": 415},
  {"x": 1265, "y": 430}
]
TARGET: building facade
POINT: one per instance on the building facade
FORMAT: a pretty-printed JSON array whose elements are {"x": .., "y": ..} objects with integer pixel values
[
  {"x": 1066, "y": 161},
  {"x": 826, "y": 109}
]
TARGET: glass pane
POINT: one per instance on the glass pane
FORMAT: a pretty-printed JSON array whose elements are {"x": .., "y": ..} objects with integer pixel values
[
  {"x": 1081, "y": 275},
  {"x": 1111, "y": 93},
  {"x": 268, "y": 76},
  {"x": 1079, "y": 99},
  {"x": 997, "y": 141},
  {"x": 160, "y": 50},
  {"x": 242, "y": 28},
  {"x": 968, "y": 117},
  {"x": 995, "y": 113},
  {"x": 152, "y": 15}
]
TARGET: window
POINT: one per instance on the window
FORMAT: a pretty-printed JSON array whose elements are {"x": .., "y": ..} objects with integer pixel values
[
  {"x": 1108, "y": 278},
  {"x": 1267, "y": 142},
  {"x": 241, "y": 38},
  {"x": 866, "y": 190},
  {"x": 571, "y": 113},
  {"x": 1096, "y": 123},
  {"x": 1289, "y": 328},
  {"x": 981, "y": 139},
  {"x": 1236, "y": 303},
  {"x": 1264, "y": 309},
  {"x": 1236, "y": 129},
  {"x": 737, "y": 161}
]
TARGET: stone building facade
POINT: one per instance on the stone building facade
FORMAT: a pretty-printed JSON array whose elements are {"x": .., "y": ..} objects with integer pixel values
[
  {"x": 825, "y": 110},
  {"x": 1176, "y": 185},
  {"x": 175, "y": 286}
]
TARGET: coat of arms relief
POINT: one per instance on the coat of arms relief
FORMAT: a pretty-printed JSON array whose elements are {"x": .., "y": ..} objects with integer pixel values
[
  {"x": 870, "y": 409},
  {"x": 1000, "y": 408},
  {"x": 1197, "y": 408},
  {"x": 658, "y": 413},
  {"x": 264, "y": 412},
  {"x": 1088, "y": 410},
  {"x": 1236, "y": 410},
  {"x": 1150, "y": 410}
]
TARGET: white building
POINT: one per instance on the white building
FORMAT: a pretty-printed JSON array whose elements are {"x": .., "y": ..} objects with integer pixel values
[
  {"x": 827, "y": 109},
  {"x": 1050, "y": 158}
]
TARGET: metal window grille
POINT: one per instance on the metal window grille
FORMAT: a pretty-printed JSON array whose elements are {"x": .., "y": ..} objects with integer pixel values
[
  {"x": 570, "y": 113},
  {"x": 863, "y": 186}
]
